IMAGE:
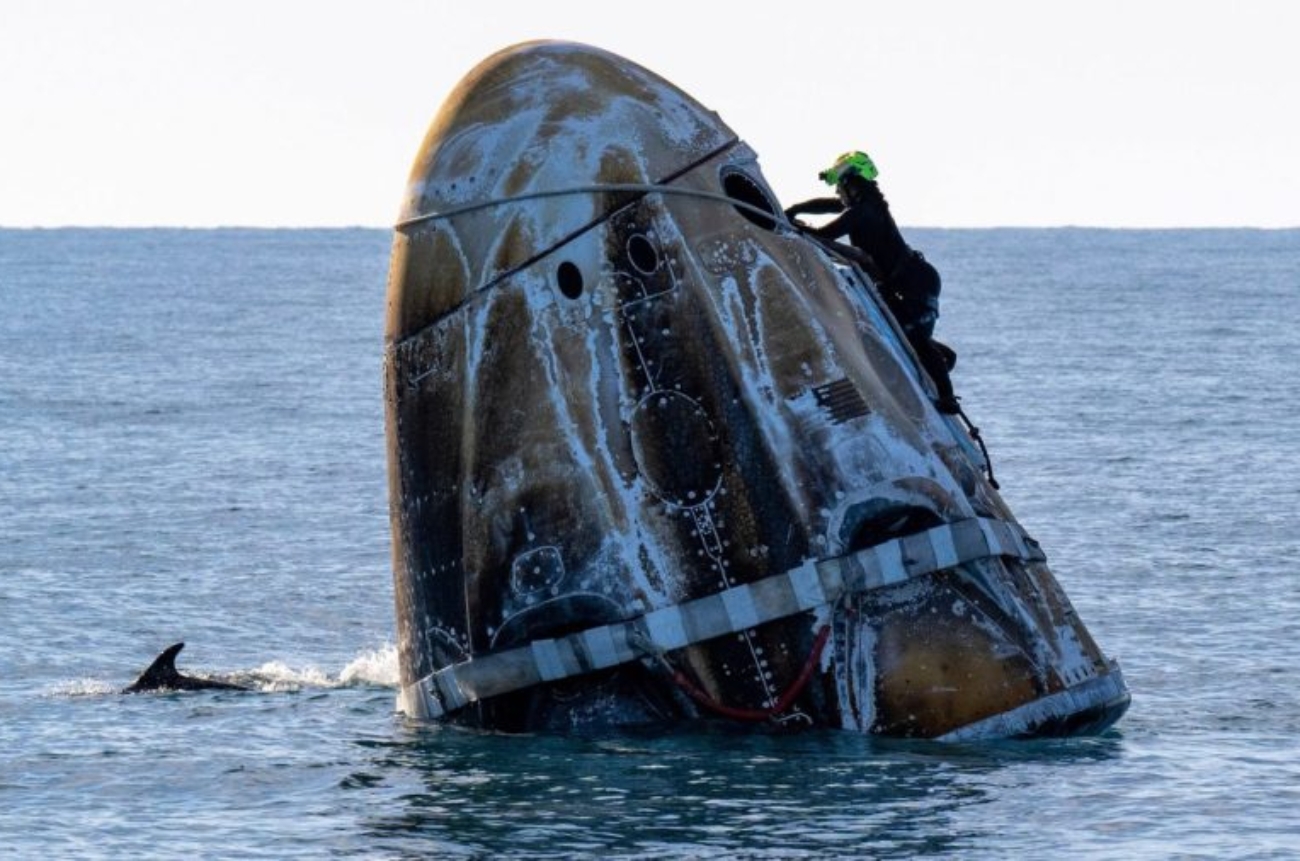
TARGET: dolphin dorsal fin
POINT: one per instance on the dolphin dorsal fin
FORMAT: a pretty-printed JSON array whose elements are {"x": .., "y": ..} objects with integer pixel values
[{"x": 162, "y": 672}]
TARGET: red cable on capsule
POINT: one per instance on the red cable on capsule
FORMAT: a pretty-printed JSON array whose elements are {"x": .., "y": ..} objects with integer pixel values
[{"x": 779, "y": 706}]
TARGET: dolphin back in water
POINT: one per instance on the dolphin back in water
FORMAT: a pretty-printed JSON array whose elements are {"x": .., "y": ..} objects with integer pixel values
[{"x": 162, "y": 675}]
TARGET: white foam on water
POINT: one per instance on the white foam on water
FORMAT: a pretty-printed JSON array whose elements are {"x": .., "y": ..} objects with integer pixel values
[
  {"x": 81, "y": 688},
  {"x": 375, "y": 667}
]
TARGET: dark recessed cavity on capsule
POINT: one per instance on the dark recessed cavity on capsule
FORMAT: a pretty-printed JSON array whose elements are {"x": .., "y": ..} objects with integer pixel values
[
  {"x": 642, "y": 254},
  {"x": 569, "y": 279},
  {"x": 741, "y": 188}
]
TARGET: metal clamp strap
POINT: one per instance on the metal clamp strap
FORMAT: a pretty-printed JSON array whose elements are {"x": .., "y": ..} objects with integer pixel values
[{"x": 811, "y": 585}]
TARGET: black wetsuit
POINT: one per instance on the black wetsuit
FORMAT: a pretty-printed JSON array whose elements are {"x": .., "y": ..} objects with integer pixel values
[{"x": 908, "y": 283}]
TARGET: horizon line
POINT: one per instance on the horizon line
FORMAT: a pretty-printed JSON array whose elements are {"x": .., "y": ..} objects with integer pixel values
[{"x": 341, "y": 227}]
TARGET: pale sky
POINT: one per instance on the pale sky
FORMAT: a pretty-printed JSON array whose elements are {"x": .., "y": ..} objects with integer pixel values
[{"x": 1112, "y": 113}]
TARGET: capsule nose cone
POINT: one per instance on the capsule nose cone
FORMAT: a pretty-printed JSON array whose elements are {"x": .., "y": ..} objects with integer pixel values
[
  {"x": 514, "y": 155},
  {"x": 547, "y": 114}
]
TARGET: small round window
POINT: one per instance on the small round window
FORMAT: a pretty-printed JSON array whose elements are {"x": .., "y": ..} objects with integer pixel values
[
  {"x": 569, "y": 279},
  {"x": 751, "y": 196},
  {"x": 642, "y": 254}
]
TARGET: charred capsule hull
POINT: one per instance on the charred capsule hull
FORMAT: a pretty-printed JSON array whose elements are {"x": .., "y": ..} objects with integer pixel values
[{"x": 653, "y": 455}]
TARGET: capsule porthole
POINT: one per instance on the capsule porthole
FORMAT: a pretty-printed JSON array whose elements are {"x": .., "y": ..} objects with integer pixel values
[
  {"x": 569, "y": 279},
  {"x": 741, "y": 188},
  {"x": 642, "y": 254}
]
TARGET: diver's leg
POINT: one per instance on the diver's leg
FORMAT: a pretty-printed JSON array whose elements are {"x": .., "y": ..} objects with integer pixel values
[{"x": 936, "y": 365}]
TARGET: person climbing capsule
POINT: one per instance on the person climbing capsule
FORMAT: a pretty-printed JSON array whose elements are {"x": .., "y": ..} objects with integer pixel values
[{"x": 907, "y": 282}]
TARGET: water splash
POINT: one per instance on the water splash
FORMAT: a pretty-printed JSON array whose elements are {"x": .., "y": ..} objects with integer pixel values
[
  {"x": 376, "y": 667},
  {"x": 81, "y": 688}
]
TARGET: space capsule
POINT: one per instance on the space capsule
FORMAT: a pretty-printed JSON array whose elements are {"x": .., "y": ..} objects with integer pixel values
[{"x": 655, "y": 456}]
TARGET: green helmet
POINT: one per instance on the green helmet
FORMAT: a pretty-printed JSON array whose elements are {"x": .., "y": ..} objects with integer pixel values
[{"x": 848, "y": 164}]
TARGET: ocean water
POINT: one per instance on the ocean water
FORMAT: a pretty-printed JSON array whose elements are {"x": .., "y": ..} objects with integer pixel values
[{"x": 191, "y": 448}]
